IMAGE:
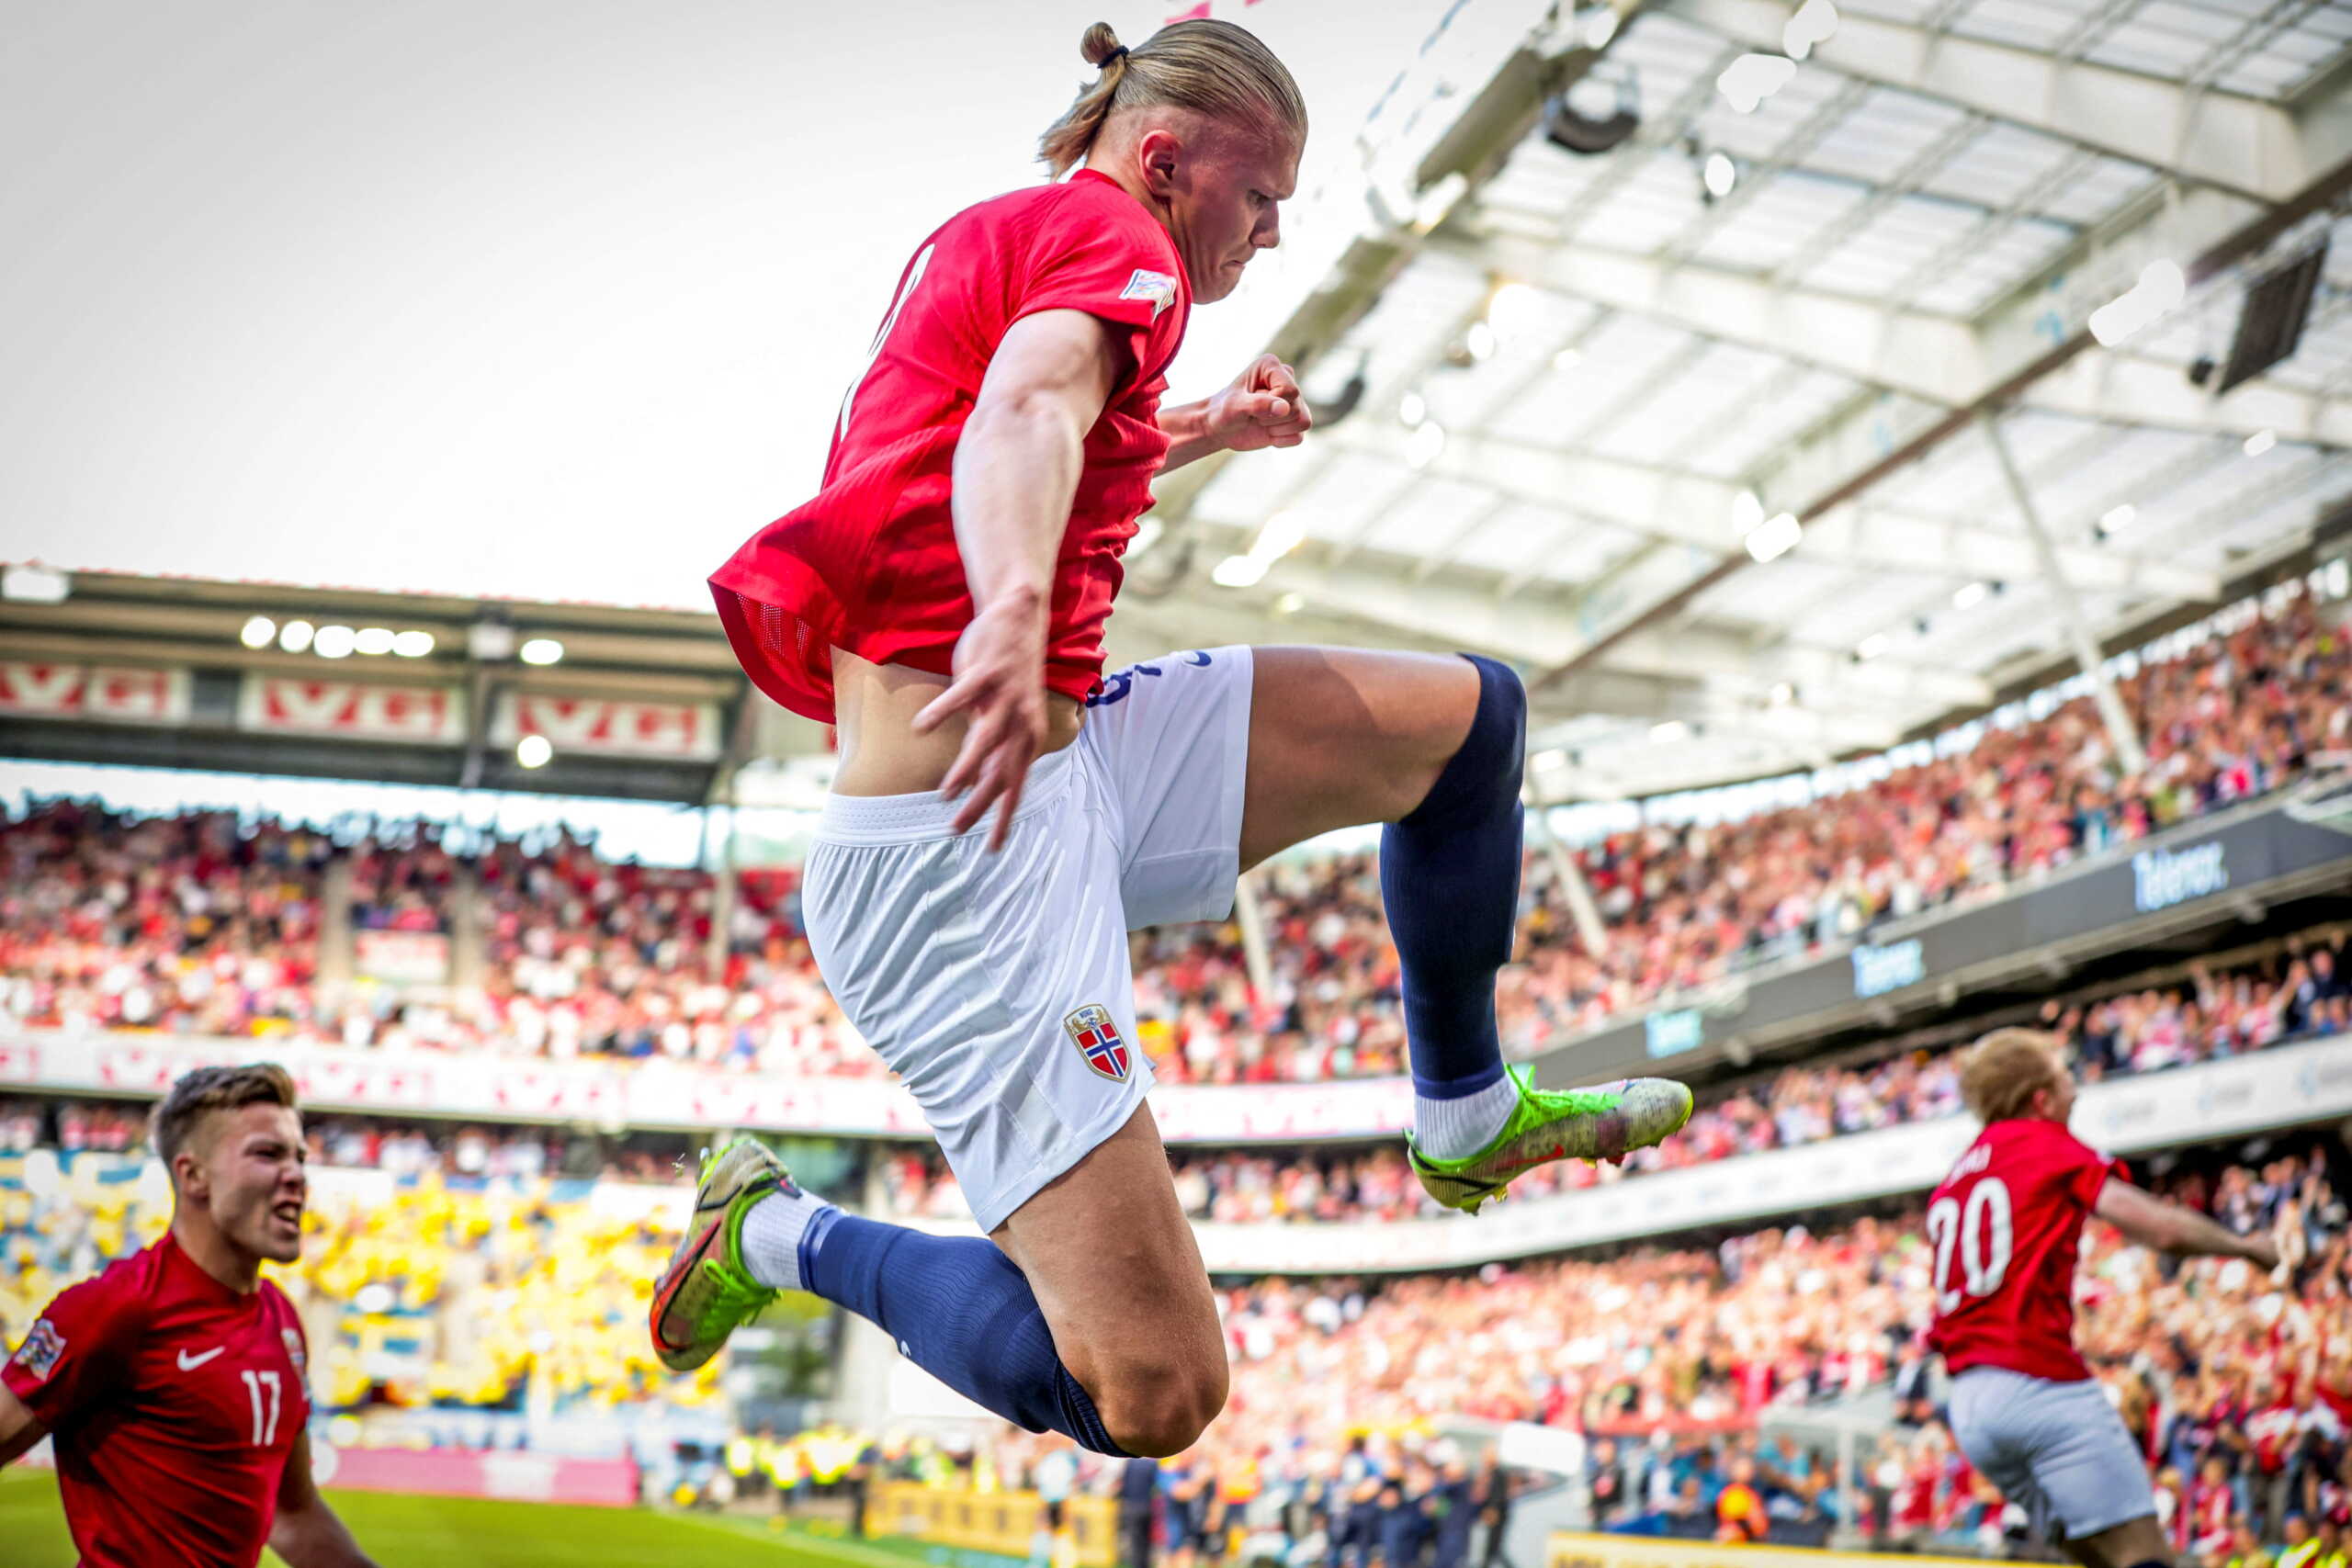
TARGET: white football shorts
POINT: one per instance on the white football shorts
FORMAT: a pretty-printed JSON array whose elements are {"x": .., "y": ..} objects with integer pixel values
[
  {"x": 997, "y": 985},
  {"x": 2057, "y": 1450}
]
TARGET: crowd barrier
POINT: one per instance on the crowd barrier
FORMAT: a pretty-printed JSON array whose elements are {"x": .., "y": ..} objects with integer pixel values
[
  {"x": 1570, "y": 1550},
  {"x": 1003, "y": 1523}
]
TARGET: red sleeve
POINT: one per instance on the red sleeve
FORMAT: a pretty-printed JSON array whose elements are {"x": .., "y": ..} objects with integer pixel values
[
  {"x": 77, "y": 1351},
  {"x": 2084, "y": 1170},
  {"x": 1115, "y": 271}
]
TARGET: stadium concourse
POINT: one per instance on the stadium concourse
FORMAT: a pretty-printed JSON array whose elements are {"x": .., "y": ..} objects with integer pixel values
[{"x": 1902, "y": 448}]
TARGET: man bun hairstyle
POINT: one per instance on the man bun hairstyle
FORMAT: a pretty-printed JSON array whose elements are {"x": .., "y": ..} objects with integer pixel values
[
  {"x": 1214, "y": 68},
  {"x": 207, "y": 1089},
  {"x": 2002, "y": 1072}
]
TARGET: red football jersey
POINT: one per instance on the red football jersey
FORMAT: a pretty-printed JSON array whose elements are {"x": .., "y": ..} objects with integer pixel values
[
  {"x": 870, "y": 565},
  {"x": 2007, "y": 1226},
  {"x": 174, "y": 1403}
]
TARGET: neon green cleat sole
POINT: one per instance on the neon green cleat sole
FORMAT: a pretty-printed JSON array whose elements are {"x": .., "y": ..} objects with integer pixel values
[
  {"x": 1605, "y": 1124},
  {"x": 706, "y": 1293}
]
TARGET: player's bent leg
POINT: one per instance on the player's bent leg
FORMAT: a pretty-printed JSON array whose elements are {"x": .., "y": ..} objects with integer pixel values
[
  {"x": 1119, "y": 1278},
  {"x": 1434, "y": 746},
  {"x": 2134, "y": 1543}
]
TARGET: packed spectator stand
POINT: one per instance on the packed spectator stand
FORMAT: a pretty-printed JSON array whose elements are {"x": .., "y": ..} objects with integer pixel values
[{"x": 204, "y": 924}]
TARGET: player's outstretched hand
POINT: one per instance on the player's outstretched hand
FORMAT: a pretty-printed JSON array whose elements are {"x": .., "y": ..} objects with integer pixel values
[
  {"x": 1000, "y": 687},
  {"x": 1263, "y": 408}
]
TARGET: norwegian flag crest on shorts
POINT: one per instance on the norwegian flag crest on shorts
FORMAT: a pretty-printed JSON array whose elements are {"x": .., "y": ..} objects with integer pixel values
[{"x": 1097, "y": 1039}]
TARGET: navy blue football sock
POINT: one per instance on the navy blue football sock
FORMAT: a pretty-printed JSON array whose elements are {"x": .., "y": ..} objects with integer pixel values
[
  {"x": 959, "y": 1310},
  {"x": 1449, "y": 873}
]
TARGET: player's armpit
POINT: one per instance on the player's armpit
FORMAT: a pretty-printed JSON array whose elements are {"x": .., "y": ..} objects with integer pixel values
[
  {"x": 308, "y": 1533},
  {"x": 19, "y": 1428}
]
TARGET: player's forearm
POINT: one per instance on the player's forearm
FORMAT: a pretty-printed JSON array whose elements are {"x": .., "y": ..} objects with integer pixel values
[
  {"x": 316, "y": 1536},
  {"x": 19, "y": 1431},
  {"x": 2188, "y": 1234},
  {"x": 1016, "y": 471},
  {"x": 1187, "y": 429}
]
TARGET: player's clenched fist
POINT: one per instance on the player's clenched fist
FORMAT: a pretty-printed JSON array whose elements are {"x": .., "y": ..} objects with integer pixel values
[{"x": 1263, "y": 407}]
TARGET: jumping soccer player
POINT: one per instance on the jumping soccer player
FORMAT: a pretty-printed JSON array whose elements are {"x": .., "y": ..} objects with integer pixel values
[
  {"x": 941, "y": 601},
  {"x": 175, "y": 1381},
  {"x": 2006, "y": 1226}
]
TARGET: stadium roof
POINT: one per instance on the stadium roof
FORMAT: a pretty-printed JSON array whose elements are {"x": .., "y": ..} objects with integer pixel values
[{"x": 1587, "y": 379}]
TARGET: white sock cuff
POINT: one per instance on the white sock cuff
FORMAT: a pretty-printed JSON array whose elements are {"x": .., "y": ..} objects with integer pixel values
[
  {"x": 1455, "y": 1129},
  {"x": 771, "y": 1234}
]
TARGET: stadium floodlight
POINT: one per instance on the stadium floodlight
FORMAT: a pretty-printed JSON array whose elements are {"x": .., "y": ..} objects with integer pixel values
[
  {"x": 1290, "y": 604},
  {"x": 2162, "y": 286},
  {"x": 1478, "y": 342},
  {"x": 1775, "y": 536},
  {"x": 2261, "y": 441},
  {"x": 1968, "y": 595},
  {"x": 412, "y": 644},
  {"x": 1871, "y": 647},
  {"x": 1782, "y": 694},
  {"x": 334, "y": 642},
  {"x": 259, "y": 631},
  {"x": 1597, "y": 27},
  {"x": 28, "y": 585},
  {"x": 294, "y": 637},
  {"x": 1426, "y": 441},
  {"x": 1746, "y": 512},
  {"x": 1815, "y": 22},
  {"x": 1411, "y": 410},
  {"x": 373, "y": 641},
  {"x": 1239, "y": 571},
  {"x": 542, "y": 651},
  {"x": 1546, "y": 761},
  {"x": 534, "y": 750},
  {"x": 1567, "y": 358},
  {"x": 1516, "y": 310},
  {"x": 1719, "y": 175},
  {"x": 1668, "y": 732},
  {"x": 1752, "y": 78},
  {"x": 2117, "y": 519},
  {"x": 489, "y": 642}
]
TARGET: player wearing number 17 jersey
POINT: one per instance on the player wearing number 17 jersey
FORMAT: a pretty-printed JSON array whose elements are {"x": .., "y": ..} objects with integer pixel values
[
  {"x": 173, "y": 1382},
  {"x": 2007, "y": 1226}
]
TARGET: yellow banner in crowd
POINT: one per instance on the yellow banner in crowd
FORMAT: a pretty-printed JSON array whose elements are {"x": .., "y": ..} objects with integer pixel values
[
  {"x": 1570, "y": 1550},
  {"x": 1004, "y": 1523}
]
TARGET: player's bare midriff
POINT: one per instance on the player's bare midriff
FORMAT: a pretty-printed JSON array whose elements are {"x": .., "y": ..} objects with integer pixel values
[{"x": 874, "y": 712}]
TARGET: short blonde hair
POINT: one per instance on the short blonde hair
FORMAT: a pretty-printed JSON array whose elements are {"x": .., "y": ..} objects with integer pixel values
[
  {"x": 2002, "y": 1072},
  {"x": 1215, "y": 68},
  {"x": 199, "y": 1094}
]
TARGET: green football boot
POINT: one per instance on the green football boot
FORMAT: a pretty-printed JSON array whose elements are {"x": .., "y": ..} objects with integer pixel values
[
  {"x": 706, "y": 1293},
  {"x": 1605, "y": 1124}
]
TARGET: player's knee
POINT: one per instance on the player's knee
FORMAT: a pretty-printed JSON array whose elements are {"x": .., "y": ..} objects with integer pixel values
[{"x": 1154, "y": 1408}]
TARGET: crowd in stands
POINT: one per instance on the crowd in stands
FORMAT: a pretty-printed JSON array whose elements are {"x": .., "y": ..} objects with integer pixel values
[
  {"x": 2301, "y": 992},
  {"x": 208, "y": 924}
]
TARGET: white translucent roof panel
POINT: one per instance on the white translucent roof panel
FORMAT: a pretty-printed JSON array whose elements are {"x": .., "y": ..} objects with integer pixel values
[
  {"x": 1543, "y": 542},
  {"x": 2290, "y": 57},
  {"x": 2098, "y": 188},
  {"x": 1785, "y": 214},
  {"x": 1618, "y": 356},
  {"x": 2165, "y": 38},
  {"x": 1762, "y": 132},
  {"x": 2033, "y": 24},
  {"x": 1720, "y": 383},
  {"x": 1907, "y": 234},
  {"x": 1424, "y": 517},
  {"x": 1885, "y": 131},
  {"x": 1998, "y": 166},
  {"x": 1765, "y": 595},
  {"x": 1985, "y": 268},
  {"x": 1764, "y": 424},
  {"x": 1656, "y": 200}
]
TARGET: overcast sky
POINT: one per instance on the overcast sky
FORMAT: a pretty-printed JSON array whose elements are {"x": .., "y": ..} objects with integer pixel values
[{"x": 548, "y": 301}]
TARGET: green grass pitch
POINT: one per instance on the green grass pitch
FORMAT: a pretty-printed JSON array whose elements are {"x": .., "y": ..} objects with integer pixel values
[{"x": 433, "y": 1532}]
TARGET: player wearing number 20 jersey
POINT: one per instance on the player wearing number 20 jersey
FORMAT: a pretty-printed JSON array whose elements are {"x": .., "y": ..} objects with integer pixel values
[
  {"x": 2007, "y": 1227},
  {"x": 172, "y": 1385}
]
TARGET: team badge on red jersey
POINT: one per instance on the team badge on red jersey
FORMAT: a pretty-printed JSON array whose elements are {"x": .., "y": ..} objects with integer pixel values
[
  {"x": 1156, "y": 287},
  {"x": 1097, "y": 1039},
  {"x": 293, "y": 1340},
  {"x": 44, "y": 1345}
]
